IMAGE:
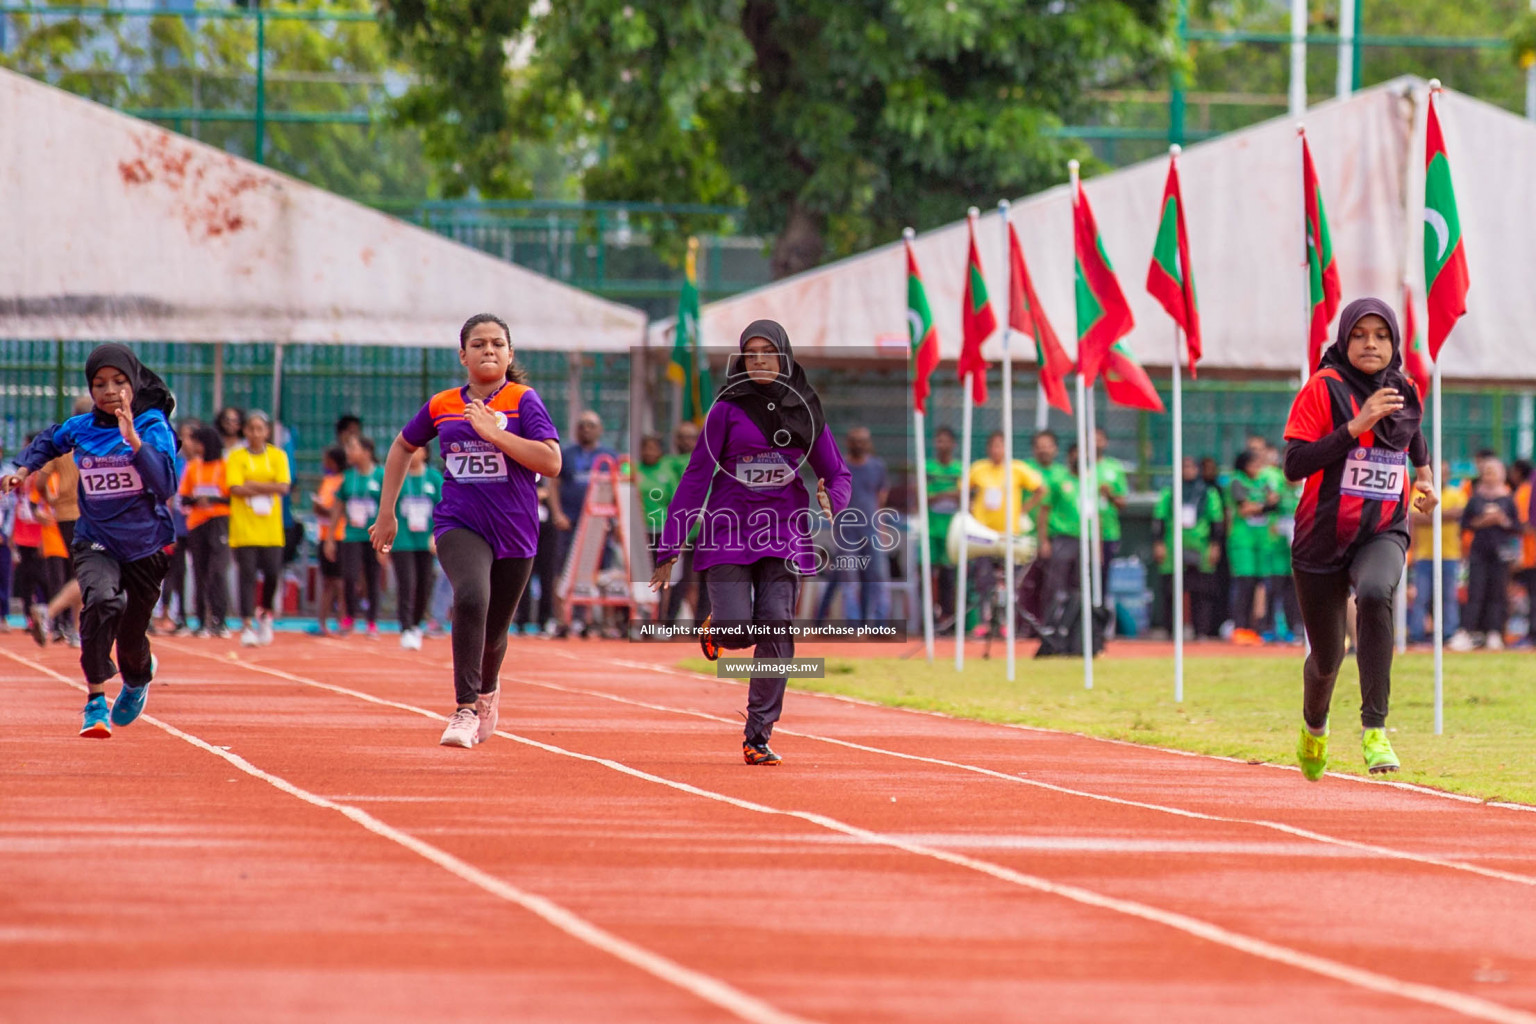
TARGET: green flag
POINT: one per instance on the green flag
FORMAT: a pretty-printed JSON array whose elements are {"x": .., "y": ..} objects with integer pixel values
[{"x": 688, "y": 366}]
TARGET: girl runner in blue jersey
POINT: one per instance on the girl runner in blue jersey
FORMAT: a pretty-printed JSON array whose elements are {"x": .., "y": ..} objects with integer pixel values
[
  {"x": 126, "y": 452},
  {"x": 496, "y": 439}
]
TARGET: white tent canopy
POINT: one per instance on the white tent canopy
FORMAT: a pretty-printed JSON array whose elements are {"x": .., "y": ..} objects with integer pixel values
[
  {"x": 1243, "y": 198},
  {"x": 116, "y": 230}
]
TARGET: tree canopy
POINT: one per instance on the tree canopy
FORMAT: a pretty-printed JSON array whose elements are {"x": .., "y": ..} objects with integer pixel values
[{"x": 833, "y": 122}]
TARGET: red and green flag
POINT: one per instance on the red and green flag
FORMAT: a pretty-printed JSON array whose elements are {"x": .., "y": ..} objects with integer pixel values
[
  {"x": 977, "y": 322},
  {"x": 1127, "y": 383},
  {"x": 1445, "y": 257},
  {"x": 1170, "y": 279},
  {"x": 1027, "y": 316},
  {"x": 924, "y": 336},
  {"x": 1322, "y": 270},
  {"x": 1103, "y": 315},
  {"x": 1415, "y": 357}
]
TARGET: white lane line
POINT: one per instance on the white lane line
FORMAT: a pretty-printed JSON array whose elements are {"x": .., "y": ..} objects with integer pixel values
[
  {"x": 1410, "y": 787},
  {"x": 710, "y": 990},
  {"x": 1370, "y": 848},
  {"x": 1430, "y": 995}
]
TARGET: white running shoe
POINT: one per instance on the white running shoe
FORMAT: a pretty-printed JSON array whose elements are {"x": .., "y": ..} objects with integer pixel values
[
  {"x": 410, "y": 639},
  {"x": 487, "y": 707},
  {"x": 264, "y": 630},
  {"x": 1460, "y": 640},
  {"x": 1494, "y": 642},
  {"x": 248, "y": 638},
  {"x": 461, "y": 729}
]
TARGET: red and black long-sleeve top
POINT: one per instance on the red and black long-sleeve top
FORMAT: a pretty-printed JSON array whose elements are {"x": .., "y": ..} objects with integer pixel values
[{"x": 1356, "y": 487}]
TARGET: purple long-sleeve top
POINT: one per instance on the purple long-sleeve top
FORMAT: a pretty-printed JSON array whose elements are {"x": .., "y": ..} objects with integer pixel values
[{"x": 749, "y": 500}]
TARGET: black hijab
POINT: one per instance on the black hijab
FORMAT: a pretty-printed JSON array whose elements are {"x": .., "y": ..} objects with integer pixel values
[
  {"x": 149, "y": 391},
  {"x": 1396, "y": 431},
  {"x": 787, "y": 410}
]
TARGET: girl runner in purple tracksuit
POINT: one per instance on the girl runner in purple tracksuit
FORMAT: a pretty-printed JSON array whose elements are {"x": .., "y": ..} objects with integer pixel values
[
  {"x": 754, "y": 540},
  {"x": 496, "y": 439},
  {"x": 126, "y": 452}
]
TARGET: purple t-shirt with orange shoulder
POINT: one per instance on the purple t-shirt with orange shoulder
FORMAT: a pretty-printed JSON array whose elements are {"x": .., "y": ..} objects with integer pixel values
[{"x": 484, "y": 490}]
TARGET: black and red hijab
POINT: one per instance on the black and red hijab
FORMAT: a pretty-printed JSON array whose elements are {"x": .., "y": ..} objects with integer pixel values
[{"x": 1328, "y": 522}]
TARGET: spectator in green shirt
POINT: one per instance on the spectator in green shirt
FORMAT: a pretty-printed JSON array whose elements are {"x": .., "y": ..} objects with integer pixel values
[
  {"x": 657, "y": 477},
  {"x": 943, "y": 502},
  {"x": 1056, "y": 524},
  {"x": 684, "y": 439},
  {"x": 414, "y": 551},
  {"x": 359, "y": 494},
  {"x": 1254, "y": 500},
  {"x": 1113, "y": 488},
  {"x": 1200, "y": 518}
]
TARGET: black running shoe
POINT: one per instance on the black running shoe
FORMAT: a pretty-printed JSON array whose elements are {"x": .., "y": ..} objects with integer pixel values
[
  {"x": 711, "y": 649},
  {"x": 759, "y": 753}
]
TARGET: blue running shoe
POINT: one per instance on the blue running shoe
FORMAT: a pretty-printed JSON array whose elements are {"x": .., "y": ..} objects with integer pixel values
[
  {"x": 93, "y": 723},
  {"x": 130, "y": 699}
]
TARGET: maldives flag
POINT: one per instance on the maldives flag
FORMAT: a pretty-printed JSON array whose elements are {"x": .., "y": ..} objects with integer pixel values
[
  {"x": 1127, "y": 383},
  {"x": 1103, "y": 315},
  {"x": 1322, "y": 271},
  {"x": 924, "y": 336},
  {"x": 1445, "y": 257},
  {"x": 1027, "y": 316},
  {"x": 977, "y": 322},
  {"x": 1415, "y": 359},
  {"x": 1170, "y": 279}
]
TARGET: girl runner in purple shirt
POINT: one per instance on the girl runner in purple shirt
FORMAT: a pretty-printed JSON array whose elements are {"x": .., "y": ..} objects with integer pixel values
[
  {"x": 754, "y": 539},
  {"x": 496, "y": 439}
]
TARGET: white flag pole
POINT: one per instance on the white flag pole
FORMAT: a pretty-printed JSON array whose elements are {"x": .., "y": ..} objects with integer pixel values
[
  {"x": 1095, "y": 540},
  {"x": 1085, "y": 586},
  {"x": 1176, "y": 515},
  {"x": 966, "y": 407},
  {"x": 925, "y": 555},
  {"x": 1011, "y": 494},
  {"x": 1306, "y": 272},
  {"x": 1439, "y": 552}
]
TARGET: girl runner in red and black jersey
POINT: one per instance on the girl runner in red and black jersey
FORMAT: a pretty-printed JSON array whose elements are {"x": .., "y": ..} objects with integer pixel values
[
  {"x": 1352, "y": 432},
  {"x": 496, "y": 439}
]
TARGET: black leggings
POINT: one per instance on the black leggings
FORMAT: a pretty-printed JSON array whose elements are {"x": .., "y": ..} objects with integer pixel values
[
  {"x": 30, "y": 582},
  {"x": 414, "y": 576},
  {"x": 208, "y": 544},
  {"x": 1487, "y": 601},
  {"x": 250, "y": 561},
  {"x": 175, "y": 584},
  {"x": 486, "y": 590},
  {"x": 359, "y": 564},
  {"x": 1374, "y": 572},
  {"x": 118, "y": 600}
]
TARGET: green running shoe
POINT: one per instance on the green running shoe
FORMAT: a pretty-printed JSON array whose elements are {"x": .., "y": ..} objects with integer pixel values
[
  {"x": 1379, "y": 757},
  {"x": 1312, "y": 752}
]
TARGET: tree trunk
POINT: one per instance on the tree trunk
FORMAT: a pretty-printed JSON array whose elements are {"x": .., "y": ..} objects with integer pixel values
[{"x": 800, "y": 244}]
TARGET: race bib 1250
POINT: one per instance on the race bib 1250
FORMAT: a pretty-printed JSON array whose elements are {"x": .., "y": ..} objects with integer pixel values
[
  {"x": 109, "y": 476},
  {"x": 1376, "y": 474}
]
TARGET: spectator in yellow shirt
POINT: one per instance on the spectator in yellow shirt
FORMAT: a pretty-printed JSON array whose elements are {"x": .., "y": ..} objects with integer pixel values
[
  {"x": 258, "y": 477},
  {"x": 990, "y": 483},
  {"x": 1453, "y": 498}
]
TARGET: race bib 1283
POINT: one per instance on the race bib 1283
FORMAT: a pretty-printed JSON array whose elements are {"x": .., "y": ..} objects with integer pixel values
[
  {"x": 109, "y": 476},
  {"x": 1376, "y": 474}
]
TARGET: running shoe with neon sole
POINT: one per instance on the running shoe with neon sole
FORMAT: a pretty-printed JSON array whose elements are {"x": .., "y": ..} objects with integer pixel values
[
  {"x": 1379, "y": 755},
  {"x": 707, "y": 641},
  {"x": 759, "y": 753},
  {"x": 487, "y": 709},
  {"x": 94, "y": 721},
  {"x": 462, "y": 727},
  {"x": 130, "y": 699},
  {"x": 1312, "y": 752}
]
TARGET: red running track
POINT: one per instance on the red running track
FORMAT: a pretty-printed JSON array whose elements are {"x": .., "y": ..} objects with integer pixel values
[{"x": 282, "y": 839}]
